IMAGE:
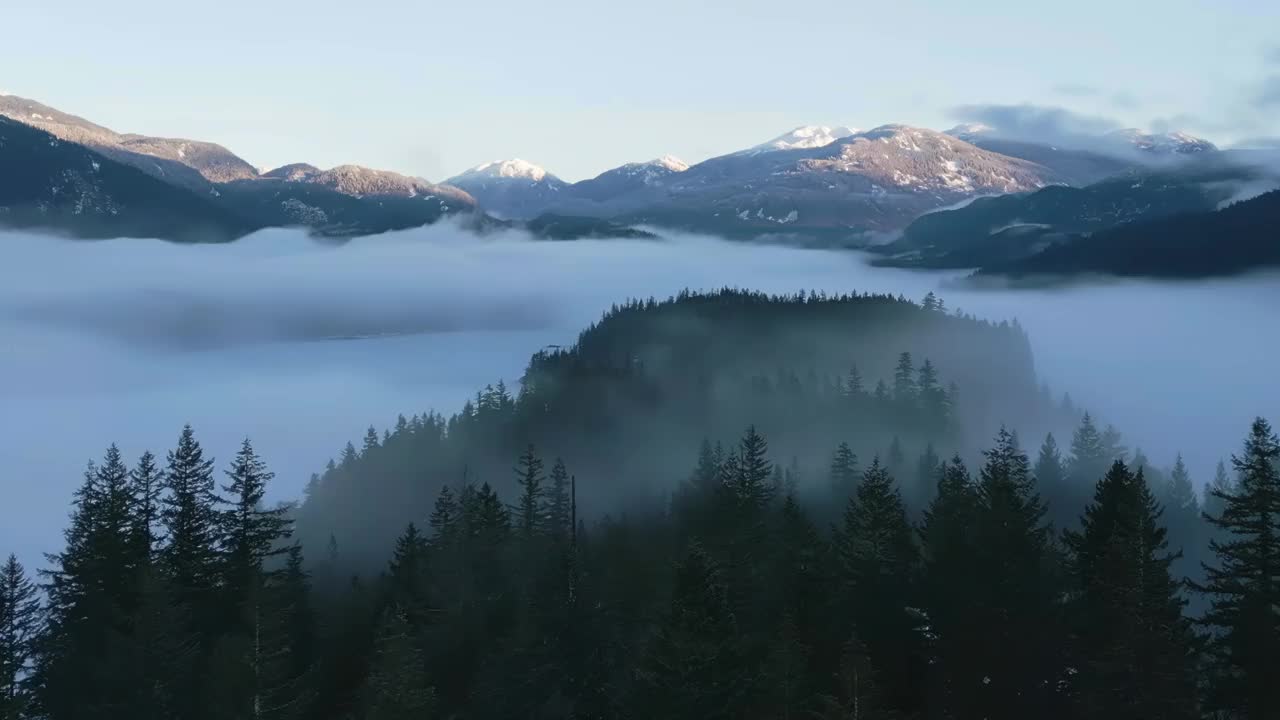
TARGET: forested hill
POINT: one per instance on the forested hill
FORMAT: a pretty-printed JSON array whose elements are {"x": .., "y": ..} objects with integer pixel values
[{"x": 628, "y": 406}]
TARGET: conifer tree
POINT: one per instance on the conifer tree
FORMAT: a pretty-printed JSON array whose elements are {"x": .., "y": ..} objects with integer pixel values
[
  {"x": 146, "y": 486},
  {"x": 844, "y": 474},
  {"x": 1244, "y": 585},
  {"x": 20, "y": 625},
  {"x": 853, "y": 387},
  {"x": 529, "y": 478},
  {"x": 1135, "y": 648},
  {"x": 948, "y": 552},
  {"x": 558, "y": 522},
  {"x": 878, "y": 561},
  {"x": 926, "y": 482},
  {"x": 750, "y": 486},
  {"x": 857, "y": 695},
  {"x": 904, "y": 381},
  {"x": 444, "y": 518},
  {"x": 250, "y": 533},
  {"x": 1015, "y": 603},
  {"x": 693, "y": 668},
  {"x": 407, "y": 573},
  {"x": 397, "y": 688},
  {"x": 1219, "y": 488},
  {"x": 191, "y": 523}
]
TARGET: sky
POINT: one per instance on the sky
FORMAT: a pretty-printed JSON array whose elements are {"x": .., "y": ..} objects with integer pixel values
[
  {"x": 579, "y": 86},
  {"x": 238, "y": 340}
]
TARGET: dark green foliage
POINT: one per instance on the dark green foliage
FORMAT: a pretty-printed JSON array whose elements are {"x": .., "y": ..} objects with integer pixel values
[
  {"x": 20, "y": 623},
  {"x": 878, "y": 562},
  {"x": 1135, "y": 648},
  {"x": 397, "y": 688},
  {"x": 1243, "y": 584},
  {"x": 692, "y": 667},
  {"x": 529, "y": 479}
]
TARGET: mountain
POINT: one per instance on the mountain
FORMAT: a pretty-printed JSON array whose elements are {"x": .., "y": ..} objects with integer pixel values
[
  {"x": 52, "y": 184},
  {"x": 190, "y": 163},
  {"x": 341, "y": 201},
  {"x": 803, "y": 137},
  {"x": 511, "y": 188},
  {"x": 628, "y": 178},
  {"x": 629, "y": 403},
  {"x": 1171, "y": 143},
  {"x": 873, "y": 181},
  {"x": 1004, "y": 228},
  {"x": 1234, "y": 239}
]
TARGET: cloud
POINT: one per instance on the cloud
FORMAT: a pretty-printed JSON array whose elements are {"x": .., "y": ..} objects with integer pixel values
[
  {"x": 1268, "y": 95},
  {"x": 1258, "y": 143},
  {"x": 1038, "y": 123},
  {"x": 1125, "y": 100},
  {"x": 301, "y": 345},
  {"x": 1076, "y": 90},
  {"x": 1273, "y": 55}
]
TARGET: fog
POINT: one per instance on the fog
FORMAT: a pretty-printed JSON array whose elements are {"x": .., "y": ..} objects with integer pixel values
[{"x": 301, "y": 345}]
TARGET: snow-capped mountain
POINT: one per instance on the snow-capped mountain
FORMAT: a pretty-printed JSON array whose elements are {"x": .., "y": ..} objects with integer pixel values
[
  {"x": 511, "y": 188},
  {"x": 190, "y": 163},
  {"x": 359, "y": 181},
  {"x": 1170, "y": 143},
  {"x": 629, "y": 178},
  {"x": 804, "y": 137},
  {"x": 971, "y": 131},
  {"x": 875, "y": 180}
]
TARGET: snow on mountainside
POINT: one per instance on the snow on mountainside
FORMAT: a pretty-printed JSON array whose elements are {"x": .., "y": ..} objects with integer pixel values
[
  {"x": 514, "y": 168},
  {"x": 189, "y": 163},
  {"x": 359, "y": 181},
  {"x": 872, "y": 181},
  {"x": 514, "y": 189},
  {"x": 805, "y": 136},
  {"x": 1170, "y": 143}
]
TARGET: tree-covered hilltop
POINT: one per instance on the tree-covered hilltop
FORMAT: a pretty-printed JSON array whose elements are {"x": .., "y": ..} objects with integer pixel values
[
  {"x": 642, "y": 388},
  {"x": 178, "y": 595}
]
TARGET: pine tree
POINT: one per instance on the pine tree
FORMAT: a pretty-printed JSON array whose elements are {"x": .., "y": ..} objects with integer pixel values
[
  {"x": 948, "y": 552},
  {"x": 878, "y": 561},
  {"x": 857, "y": 695},
  {"x": 750, "y": 486},
  {"x": 1015, "y": 603},
  {"x": 843, "y": 474},
  {"x": 397, "y": 687},
  {"x": 787, "y": 672},
  {"x": 529, "y": 478},
  {"x": 250, "y": 533},
  {"x": 146, "y": 486},
  {"x": 191, "y": 522},
  {"x": 558, "y": 522},
  {"x": 904, "y": 381},
  {"x": 693, "y": 668},
  {"x": 1219, "y": 488},
  {"x": 927, "y": 468},
  {"x": 853, "y": 387},
  {"x": 407, "y": 573},
  {"x": 444, "y": 518},
  {"x": 20, "y": 625},
  {"x": 1135, "y": 649},
  {"x": 1244, "y": 585}
]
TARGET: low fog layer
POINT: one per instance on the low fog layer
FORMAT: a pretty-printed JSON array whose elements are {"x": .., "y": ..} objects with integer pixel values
[{"x": 302, "y": 345}]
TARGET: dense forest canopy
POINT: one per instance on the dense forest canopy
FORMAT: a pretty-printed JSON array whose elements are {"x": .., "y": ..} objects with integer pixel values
[{"x": 722, "y": 505}]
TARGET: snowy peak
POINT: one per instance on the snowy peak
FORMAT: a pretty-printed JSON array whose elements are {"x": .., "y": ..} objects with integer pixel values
[
  {"x": 669, "y": 162},
  {"x": 514, "y": 168},
  {"x": 969, "y": 131},
  {"x": 1170, "y": 143},
  {"x": 807, "y": 136}
]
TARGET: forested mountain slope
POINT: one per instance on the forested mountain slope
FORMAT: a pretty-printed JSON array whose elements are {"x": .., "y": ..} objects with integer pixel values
[{"x": 630, "y": 403}]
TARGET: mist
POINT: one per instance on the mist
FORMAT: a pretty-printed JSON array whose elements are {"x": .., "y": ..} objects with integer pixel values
[{"x": 301, "y": 345}]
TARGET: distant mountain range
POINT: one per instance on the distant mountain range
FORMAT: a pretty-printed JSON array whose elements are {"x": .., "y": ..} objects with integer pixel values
[{"x": 818, "y": 184}]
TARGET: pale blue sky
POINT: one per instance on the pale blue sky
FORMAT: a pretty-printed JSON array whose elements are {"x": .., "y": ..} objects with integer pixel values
[{"x": 431, "y": 88}]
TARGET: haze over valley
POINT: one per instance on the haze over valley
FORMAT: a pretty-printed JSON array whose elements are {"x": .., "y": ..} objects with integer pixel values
[{"x": 639, "y": 361}]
